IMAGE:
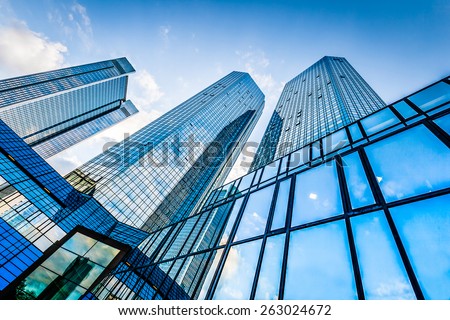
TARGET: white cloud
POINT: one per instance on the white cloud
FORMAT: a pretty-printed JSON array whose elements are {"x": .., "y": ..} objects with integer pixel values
[
  {"x": 164, "y": 33},
  {"x": 80, "y": 18},
  {"x": 23, "y": 51},
  {"x": 143, "y": 90}
]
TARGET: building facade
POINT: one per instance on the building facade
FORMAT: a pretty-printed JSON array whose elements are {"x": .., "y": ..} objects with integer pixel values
[
  {"x": 54, "y": 110},
  {"x": 325, "y": 97},
  {"x": 161, "y": 173}
]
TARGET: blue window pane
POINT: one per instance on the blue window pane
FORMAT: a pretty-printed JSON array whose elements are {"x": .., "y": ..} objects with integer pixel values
[
  {"x": 315, "y": 147},
  {"x": 231, "y": 220},
  {"x": 424, "y": 230},
  {"x": 279, "y": 215},
  {"x": 379, "y": 121},
  {"x": 405, "y": 110},
  {"x": 319, "y": 264},
  {"x": 237, "y": 276},
  {"x": 299, "y": 157},
  {"x": 357, "y": 183},
  {"x": 382, "y": 271},
  {"x": 355, "y": 132},
  {"x": 317, "y": 194},
  {"x": 246, "y": 181},
  {"x": 216, "y": 255},
  {"x": 269, "y": 276},
  {"x": 444, "y": 123},
  {"x": 335, "y": 141},
  {"x": 410, "y": 163},
  {"x": 432, "y": 97},
  {"x": 254, "y": 218},
  {"x": 270, "y": 170}
]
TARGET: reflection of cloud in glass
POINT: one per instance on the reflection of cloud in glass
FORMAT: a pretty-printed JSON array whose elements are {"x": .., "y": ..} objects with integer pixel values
[
  {"x": 238, "y": 272},
  {"x": 410, "y": 163},
  {"x": 217, "y": 254},
  {"x": 357, "y": 183},
  {"x": 59, "y": 261},
  {"x": 38, "y": 280},
  {"x": 231, "y": 220},
  {"x": 79, "y": 243}
]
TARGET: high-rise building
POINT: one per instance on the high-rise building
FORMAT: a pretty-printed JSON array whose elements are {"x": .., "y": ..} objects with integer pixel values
[
  {"x": 54, "y": 110},
  {"x": 325, "y": 97},
  {"x": 367, "y": 219},
  {"x": 160, "y": 174}
]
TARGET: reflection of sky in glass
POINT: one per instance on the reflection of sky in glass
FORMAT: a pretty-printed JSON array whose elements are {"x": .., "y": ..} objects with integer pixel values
[
  {"x": 236, "y": 279},
  {"x": 231, "y": 220},
  {"x": 410, "y": 163},
  {"x": 269, "y": 276},
  {"x": 444, "y": 123},
  {"x": 38, "y": 280},
  {"x": 358, "y": 186},
  {"x": 279, "y": 216},
  {"x": 93, "y": 274},
  {"x": 246, "y": 181},
  {"x": 76, "y": 293},
  {"x": 405, "y": 110},
  {"x": 317, "y": 194},
  {"x": 102, "y": 254},
  {"x": 79, "y": 244},
  {"x": 270, "y": 170},
  {"x": 335, "y": 141},
  {"x": 382, "y": 271},
  {"x": 59, "y": 261},
  {"x": 217, "y": 254},
  {"x": 254, "y": 218},
  {"x": 432, "y": 97},
  {"x": 319, "y": 264},
  {"x": 424, "y": 229},
  {"x": 299, "y": 157},
  {"x": 379, "y": 121},
  {"x": 355, "y": 132},
  {"x": 315, "y": 149}
]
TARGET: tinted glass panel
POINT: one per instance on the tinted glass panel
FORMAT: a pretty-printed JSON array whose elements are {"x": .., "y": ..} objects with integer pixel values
[
  {"x": 319, "y": 264},
  {"x": 432, "y": 97},
  {"x": 237, "y": 276},
  {"x": 405, "y": 110},
  {"x": 279, "y": 216},
  {"x": 355, "y": 132},
  {"x": 382, "y": 270},
  {"x": 444, "y": 123},
  {"x": 254, "y": 218},
  {"x": 231, "y": 220},
  {"x": 410, "y": 163},
  {"x": 216, "y": 258},
  {"x": 246, "y": 181},
  {"x": 357, "y": 183},
  {"x": 335, "y": 141},
  {"x": 317, "y": 194},
  {"x": 269, "y": 276},
  {"x": 270, "y": 170},
  {"x": 379, "y": 121},
  {"x": 424, "y": 230},
  {"x": 299, "y": 157}
]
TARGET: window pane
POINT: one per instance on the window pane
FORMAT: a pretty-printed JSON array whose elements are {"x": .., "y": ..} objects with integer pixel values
[
  {"x": 102, "y": 254},
  {"x": 335, "y": 141},
  {"x": 410, "y": 163},
  {"x": 319, "y": 264},
  {"x": 237, "y": 276},
  {"x": 231, "y": 220},
  {"x": 79, "y": 244},
  {"x": 444, "y": 123},
  {"x": 246, "y": 181},
  {"x": 379, "y": 121},
  {"x": 299, "y": 157},
  {"x": 317, "y": 194},
  {"x": 270, "y": 170},
  {"x": 424, "y": 230},
  {"x": 355, "y": 132},
  {"x": 279, "y": 216},
  {"x": 59, "y": 261},
  {"x": 432, "y": 97},
  {"x": 254, "y": 218},
  {"x": 382, "y": 271},
  {"x": 35, "y": 283},
  {"x": 216, "y": 256},
  {"x": 405, "y": 110},
  {"x": 269, "y": 276},
  {"x": 357, "y": 183},
  {"x": 315, "y": 147}
]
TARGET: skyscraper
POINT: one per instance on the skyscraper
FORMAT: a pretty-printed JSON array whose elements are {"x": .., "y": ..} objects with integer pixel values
[
  {"x": 325, "y": 97},
  {"x": 54, "y": 110},
  {"x": 160, "y": 174}
]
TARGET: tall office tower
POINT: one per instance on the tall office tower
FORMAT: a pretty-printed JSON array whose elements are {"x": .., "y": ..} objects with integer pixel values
[
  {"x": 160, "y": 174},
  {"x": 325, "y": 97},
  {"x": 366, "y": 219},
  {"x": 54, "y": 110}
]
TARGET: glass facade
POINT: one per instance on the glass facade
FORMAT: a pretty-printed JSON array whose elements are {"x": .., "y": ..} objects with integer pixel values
[
  {"x": 160, "y": 174},
  {"x": 54, "y": 110},
  {"x": 325, "y": 97}
]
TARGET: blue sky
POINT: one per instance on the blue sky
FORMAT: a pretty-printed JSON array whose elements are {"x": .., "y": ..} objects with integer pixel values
[{"x": 180, "y": 47}]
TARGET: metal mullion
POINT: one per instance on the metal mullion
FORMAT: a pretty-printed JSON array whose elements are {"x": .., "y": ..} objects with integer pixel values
[
  {"x": 438, "y": 132},
  {"x": 347, "y": 210},
  {"x": 380, "y": 199}
]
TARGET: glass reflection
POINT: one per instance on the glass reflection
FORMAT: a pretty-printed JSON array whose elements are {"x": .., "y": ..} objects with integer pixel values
[
  {"x": 59, "y": 261},
  {"x": 424, "y": 230},
  {"x": 319, "y": 264},
  {"x": 246, "y": 181},
  {"x": 270, "y": 170},
  {"x": 216, "y": 255},
  {"x": 379, "y": 121},
  {"x": 269, "y": 276},
  {"x": 404, "y": 109},
  {"x": 382, "y": 271},
  {"x": 432, "y": 97},
  {"x": 444, "y": 123},
  {"x": 102, "y": 254},
  {"x": 231, "y": 220},
  {"x": 355, "y": 132},
  {"x": 254, "y": 218},
  {"x": 335, "y": 141},
  {"x": 317, "y": 194},
  {"x": 237, "y": 276},
  {"x": 357, "y": 183},
  {"x": 79, "y": 244},
  {"x": 34, "y": 284},
  {"x": 299, "y": 157},
  {"x": 410, "y": 163},
  {"x": 279, "y": 215}
]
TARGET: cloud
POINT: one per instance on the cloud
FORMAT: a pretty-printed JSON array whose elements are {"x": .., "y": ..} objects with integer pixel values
[
  {"x": 143, "y": 90},
  {"x": 164, "y": 33},
  {"x": 23, "y": 51},
  {"x": 80, "y": 18}
]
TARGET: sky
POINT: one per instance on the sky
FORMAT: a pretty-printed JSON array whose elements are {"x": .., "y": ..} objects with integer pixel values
[{"x": 180, "y": 47}]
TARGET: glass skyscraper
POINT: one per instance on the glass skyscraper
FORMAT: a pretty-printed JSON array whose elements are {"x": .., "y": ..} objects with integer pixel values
[
  {"x": 160, "y": 174},
  {"x": 54, "y": 110},
  {"x": 325, "y": 97}
]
